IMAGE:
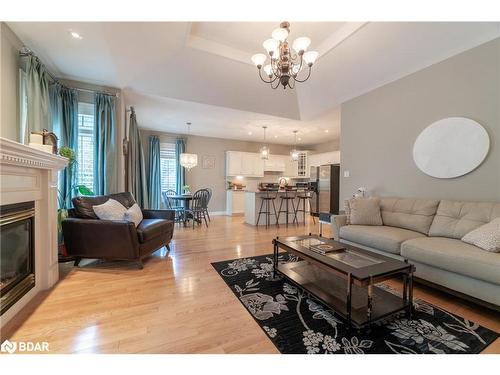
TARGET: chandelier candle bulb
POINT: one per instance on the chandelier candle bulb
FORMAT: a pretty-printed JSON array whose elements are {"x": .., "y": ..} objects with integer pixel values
[
  {"x": 269, "y": 70},
  {"x": 280, "y": 34},
  {"x": 271, "y": 46},
  {"x": 259, "y": 59},
  {"x": 301, "y": 44},
  {"x": 310, "y": 57}
]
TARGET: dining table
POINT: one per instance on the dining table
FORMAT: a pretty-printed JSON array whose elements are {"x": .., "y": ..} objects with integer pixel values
[{"x": 185, "y": 200}]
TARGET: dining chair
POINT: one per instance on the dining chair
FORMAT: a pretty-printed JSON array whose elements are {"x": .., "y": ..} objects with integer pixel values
[
  {"x": 198, "y": 206},
  {"x": 208, "y": 201},
  {"x": 172, "y": 204}
]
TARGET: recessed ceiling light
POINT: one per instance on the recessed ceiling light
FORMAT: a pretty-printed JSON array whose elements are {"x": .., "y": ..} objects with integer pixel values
[
  {"x": 275, "y": 136},
  {"x": 326, "y": 131},
  {"x": 75, "y": 35},
  {"x": 249, "y": 133},
  {"x": 299, "y": 139}
]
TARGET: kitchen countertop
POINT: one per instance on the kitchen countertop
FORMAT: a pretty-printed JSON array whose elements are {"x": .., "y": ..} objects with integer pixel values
[{"x": 274, "y": 191}]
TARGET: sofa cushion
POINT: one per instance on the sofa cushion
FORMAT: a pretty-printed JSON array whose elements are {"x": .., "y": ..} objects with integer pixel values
[
  {"x": 152, "y": 228},
  {"x": 454, "y": 219},
  {"x": 409, "y": 213},
  {"x": 364, "y": 211},
  {"x": 486, "y": 237},
  {"x": 378, "y": 237},
  {"x": 454, "y": 255},
  {"x": 83, "y": 204}
]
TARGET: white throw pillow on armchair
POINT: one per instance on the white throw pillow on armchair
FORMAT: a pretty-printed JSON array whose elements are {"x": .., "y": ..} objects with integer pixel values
[
  {"x": 110, "y": 210},
  {"x": 134, "y": 214}
]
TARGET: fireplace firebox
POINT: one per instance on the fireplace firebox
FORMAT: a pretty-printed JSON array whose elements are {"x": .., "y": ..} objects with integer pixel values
[{"x": 17, "y": 255}]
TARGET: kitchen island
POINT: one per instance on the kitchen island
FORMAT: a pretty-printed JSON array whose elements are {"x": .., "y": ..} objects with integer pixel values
[{"x": 252, "y": 206}]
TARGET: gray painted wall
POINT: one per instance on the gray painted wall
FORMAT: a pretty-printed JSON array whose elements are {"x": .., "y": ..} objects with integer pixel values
[
  {"x": 379, "y": 128},
  {"x": 9, "y": 73}
]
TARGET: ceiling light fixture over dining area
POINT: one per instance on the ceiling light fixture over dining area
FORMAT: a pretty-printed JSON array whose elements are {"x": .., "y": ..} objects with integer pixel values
[
  {"x": 285, "y": 67},
  {"x": 186, "y": 160}
]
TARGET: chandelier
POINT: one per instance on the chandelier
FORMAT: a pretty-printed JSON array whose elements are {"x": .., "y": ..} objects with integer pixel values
[
  {"x": 285, "y": 67},
  {"x": 186, "y": 160},
  {"x": 264, "y": 150}
]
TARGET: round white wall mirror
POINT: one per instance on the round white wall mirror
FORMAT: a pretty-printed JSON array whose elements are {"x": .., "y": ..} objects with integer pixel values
[{"x": 451, "y": 147}]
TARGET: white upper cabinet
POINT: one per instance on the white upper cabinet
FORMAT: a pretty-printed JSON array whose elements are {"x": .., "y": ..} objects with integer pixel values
[
  {"x": 275, "y": 163},
  {"x": 246, "y": 164},
  {"x": 332, "y": 157},
  {"x": 249, "y": 164},
  {"x": 299, "y": 168},
  {"x": 233, "y": 163}
]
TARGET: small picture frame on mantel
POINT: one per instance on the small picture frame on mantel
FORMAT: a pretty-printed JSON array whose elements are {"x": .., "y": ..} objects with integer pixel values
[{"x": 208, "y": 162}]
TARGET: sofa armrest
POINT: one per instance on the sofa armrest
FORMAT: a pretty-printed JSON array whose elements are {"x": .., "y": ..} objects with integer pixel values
[
  {"x": 89, "y": 238},
  {"x": 159, "y": 214},
  {"x": 338, "y": 221}
]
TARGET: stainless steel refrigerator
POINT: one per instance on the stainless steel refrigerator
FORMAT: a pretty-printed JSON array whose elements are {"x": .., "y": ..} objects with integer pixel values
[{"x": 325, "y": 182}]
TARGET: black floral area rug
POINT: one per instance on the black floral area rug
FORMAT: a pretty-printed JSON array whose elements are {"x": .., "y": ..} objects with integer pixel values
[{"x": 297, "y": 322}]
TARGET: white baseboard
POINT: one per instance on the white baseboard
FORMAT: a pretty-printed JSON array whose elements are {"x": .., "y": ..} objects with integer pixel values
[{"x": 217, "y": 213}]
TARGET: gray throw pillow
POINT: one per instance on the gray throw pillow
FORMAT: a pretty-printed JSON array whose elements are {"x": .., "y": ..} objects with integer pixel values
[
  {"x": 134, "y": 214},
  {"x": 486, "y": 237},
  {"x": 365, "y": 211},
  {"x": 110, "y": 210}
]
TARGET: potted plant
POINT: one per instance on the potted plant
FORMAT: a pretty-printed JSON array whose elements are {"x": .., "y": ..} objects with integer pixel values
[
  {"x": 62, "y": 212},
  {"x": 186, "y": 189}
]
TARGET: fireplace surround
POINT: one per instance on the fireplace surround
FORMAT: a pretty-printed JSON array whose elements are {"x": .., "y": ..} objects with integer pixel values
[
  {"x": 17, "y": 261},
  {"x": 28, "y": 182}
]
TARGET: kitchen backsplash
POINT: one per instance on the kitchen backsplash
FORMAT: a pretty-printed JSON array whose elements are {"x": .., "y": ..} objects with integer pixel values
[{"x": 252, "y": 183}]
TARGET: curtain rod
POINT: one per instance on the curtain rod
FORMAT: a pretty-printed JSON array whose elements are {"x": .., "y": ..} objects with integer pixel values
[{"x": 25, "y": 51}]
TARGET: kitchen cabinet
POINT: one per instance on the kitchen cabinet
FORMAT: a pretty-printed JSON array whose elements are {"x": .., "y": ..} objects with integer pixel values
[
  {"x": 275, "y": 163},
  {"x": 299, "y": 168},
  {"x": 233, "y": 163},
  {"x": 246, "y": 164},
  {"x": 332, "y": 157},
  {"x": 235, "y": 202}
]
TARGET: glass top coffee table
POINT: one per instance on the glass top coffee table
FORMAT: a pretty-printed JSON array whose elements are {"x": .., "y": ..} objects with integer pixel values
[{"x": 346, "y": 277}]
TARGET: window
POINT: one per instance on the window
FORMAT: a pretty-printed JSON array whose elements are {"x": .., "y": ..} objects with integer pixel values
[
  {"x": 86, "y": 142},
  {"x": 168, "y": 166}
]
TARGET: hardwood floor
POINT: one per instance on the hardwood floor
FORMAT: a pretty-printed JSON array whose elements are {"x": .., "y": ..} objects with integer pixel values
[{"x": 177, "y": 303}]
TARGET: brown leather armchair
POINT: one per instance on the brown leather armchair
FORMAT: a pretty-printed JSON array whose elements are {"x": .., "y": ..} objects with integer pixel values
[{"x": 86, "y": 236}]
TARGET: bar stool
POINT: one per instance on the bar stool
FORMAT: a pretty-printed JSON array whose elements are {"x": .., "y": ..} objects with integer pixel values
[
  {"x": 303, "y": 196},
  {"x": 287, "y": 197},
  {"x": 266, "y": 201}
]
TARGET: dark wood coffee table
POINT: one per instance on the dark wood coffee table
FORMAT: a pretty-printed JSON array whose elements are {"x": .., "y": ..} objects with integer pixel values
[{"x": 345, "y": 279}]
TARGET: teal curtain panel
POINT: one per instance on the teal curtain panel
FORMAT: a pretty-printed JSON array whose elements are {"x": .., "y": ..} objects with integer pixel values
[
  {"x": 154, "y": 172},
  {"x": 64, "y": 118},
  {"x": 137, "y": 183},
  {"x": 180, "y": 147},
  {"x": 105, "y": 162},
  {"x": 37, "y": 90}
]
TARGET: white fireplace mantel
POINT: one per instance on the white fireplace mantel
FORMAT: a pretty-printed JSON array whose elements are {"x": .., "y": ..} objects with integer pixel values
[
  {"x": 14, "y": 153},
  {"x": 28, "y": 174}
]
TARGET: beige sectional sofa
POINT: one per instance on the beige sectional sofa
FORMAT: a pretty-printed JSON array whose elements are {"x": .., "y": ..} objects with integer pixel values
[{"x": 427, "y": 233}]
